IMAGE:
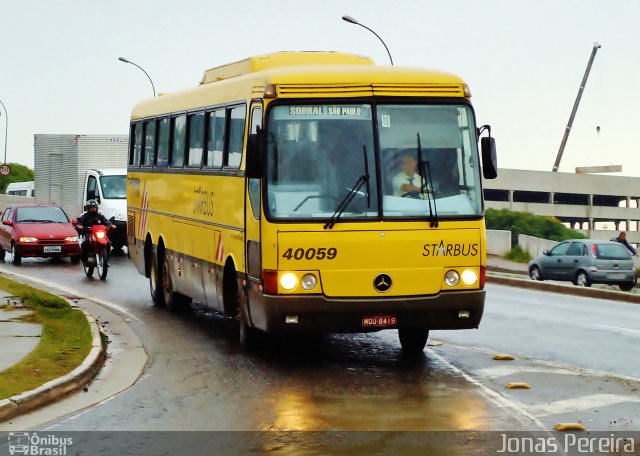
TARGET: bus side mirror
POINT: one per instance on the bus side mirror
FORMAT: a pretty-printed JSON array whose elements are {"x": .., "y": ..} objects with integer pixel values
[
  {"x": 254, "y": 164},
  {"x": 489, "y": 157}
]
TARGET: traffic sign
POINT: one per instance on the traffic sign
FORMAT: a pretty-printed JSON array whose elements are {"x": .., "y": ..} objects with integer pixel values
[{"x": 5, "y": 170}]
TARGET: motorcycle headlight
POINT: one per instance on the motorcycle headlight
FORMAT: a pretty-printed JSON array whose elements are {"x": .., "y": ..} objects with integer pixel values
[{"x": 100, "y": 234}]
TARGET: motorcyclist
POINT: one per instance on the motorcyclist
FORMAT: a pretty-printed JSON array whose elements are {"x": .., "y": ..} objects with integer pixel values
[{"x": 85, "y": 222}]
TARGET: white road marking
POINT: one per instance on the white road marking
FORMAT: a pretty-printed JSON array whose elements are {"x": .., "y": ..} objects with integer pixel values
[
  {"x": 70, "y": 291},
  {"x": 550, "y": 364},
  {"x": 620, "y": 328},
  {"x": 503, "y": 371},
  {"x": 78, "y": 415},
  {"x": 517, "y": 409},
  {"x": 581, "y": 403}
]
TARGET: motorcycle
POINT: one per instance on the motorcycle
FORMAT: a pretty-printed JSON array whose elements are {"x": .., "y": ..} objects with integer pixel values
[{"x": 98, "y": 251}]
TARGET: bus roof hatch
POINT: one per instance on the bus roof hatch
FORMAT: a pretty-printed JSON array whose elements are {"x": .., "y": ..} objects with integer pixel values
[{"x": 281, "y": 59}]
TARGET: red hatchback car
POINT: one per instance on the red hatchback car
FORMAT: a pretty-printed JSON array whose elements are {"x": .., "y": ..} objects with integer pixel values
[{"x": 37, "y": 230}]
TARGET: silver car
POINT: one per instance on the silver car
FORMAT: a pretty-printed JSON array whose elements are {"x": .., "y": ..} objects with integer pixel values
[{"x": 584, "y": 262}]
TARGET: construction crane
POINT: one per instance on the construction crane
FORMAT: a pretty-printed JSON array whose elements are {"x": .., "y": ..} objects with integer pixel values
[{"x": 567, "y": 130}]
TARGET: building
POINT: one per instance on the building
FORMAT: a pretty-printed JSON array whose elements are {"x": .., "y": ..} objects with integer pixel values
[{"x": 600, "y": 205}]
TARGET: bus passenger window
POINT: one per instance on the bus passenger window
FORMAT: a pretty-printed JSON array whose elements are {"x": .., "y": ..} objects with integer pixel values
[
  {"x": 136, "y": 144},
  {"x": 196, "y": 136},
  {"x": 236, "y": 135},
  {"x": 178, "y": 143},
  {"x": 149, "y": 142},
  {"x": 163, "y": 142},
  {"x": 215, "y": 138}
]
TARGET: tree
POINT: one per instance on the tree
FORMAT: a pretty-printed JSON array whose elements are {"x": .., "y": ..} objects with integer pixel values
[
  {"x": 529, "y": 224},
  {"x": 19, "y": 173}
]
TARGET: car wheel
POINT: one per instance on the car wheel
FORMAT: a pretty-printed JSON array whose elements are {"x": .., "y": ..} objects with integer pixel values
[
  {"x": 535, "y": 273},
  {"x": 15, "y": 256},
  {"x": 626, "y": 286},
  {"x": 75, "y": 259},
  {"x": 582, "y": 279},
  {"x": 2, "y": 254}
]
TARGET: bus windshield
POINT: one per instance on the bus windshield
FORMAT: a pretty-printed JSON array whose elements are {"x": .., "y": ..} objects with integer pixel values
[{"x": 426, "y": 154}]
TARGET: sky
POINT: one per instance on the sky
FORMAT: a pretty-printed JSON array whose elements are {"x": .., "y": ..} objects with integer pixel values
[{"x": 523, "y": 60}]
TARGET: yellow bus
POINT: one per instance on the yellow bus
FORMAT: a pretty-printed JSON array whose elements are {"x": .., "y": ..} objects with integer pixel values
[{"x": 313, "y": 192}]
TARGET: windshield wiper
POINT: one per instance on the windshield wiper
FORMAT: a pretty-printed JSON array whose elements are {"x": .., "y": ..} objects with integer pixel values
[
  {"x": 355, "y": 190},
  {"x": 433, "y": 196},
  {"x": 426, "y": 169}
]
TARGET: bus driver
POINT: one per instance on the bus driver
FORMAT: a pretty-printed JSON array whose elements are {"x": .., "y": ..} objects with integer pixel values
[{"x": 407, "y": 180}]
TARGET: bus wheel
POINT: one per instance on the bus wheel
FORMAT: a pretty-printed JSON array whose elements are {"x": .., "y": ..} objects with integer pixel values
[
  {"x": 233, "y": 300},
  {"x": 413, "y": 341},
  {"x": 157, "y": 295},
  {"x": 172, "y": 299},
  {"x": 248, "y": 336}
]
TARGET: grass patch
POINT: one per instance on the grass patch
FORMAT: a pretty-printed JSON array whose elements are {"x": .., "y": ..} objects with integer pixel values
[
  {"x": 65, "y": 342},
  {"x": 518, "y": 255}
]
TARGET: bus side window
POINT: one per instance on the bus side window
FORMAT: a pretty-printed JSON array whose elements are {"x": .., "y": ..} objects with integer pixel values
[
  {"x": 215, "y": 138},
  {"x": 236, "y": 116},
  {"x": 179, "y": 135},
  {"x": 163, "y": 142},
  {"x": 196, "y": 136},
  {"x": 149, "y": 142},
  {"x": 136, "y": 144}
]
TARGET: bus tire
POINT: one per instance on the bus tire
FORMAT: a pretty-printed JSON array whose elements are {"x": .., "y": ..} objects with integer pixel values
[
  {"x": 233, "y": 306},
  {"x": 248, "y": 336},
  {"x": 172, "y": 299},
  {"x": 155, "y": 281},
  {"x": 413, "y": 341}
]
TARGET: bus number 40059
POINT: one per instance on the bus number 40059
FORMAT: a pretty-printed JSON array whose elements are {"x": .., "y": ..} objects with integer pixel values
[{"x": 310, "y": 254}]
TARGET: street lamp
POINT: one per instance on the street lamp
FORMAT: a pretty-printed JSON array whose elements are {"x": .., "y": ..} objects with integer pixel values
[
  {"x": 6, "y": 130},
  {"x": 353, "y": 21},
  {"x": 122, "y": 59}
]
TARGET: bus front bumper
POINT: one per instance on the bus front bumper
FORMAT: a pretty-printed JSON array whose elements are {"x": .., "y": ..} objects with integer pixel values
[{"x": 334, "y": 315}]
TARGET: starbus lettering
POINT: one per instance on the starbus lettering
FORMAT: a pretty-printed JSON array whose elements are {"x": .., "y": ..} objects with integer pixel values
[
  {"x": 450, "y": 249},
  {"x": 202, "y": 202}
]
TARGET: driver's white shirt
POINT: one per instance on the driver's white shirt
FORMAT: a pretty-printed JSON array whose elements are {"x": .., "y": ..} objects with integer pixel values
[{"x": 403, "y": 178}]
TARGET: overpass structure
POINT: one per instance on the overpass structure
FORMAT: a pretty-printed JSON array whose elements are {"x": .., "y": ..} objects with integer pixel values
[{"x": 584, "y": 201}]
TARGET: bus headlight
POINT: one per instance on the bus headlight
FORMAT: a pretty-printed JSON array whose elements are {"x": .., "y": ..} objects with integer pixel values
[
  {"x": 469, "y": 277},
  {"x": 288, "y": 281},
  {"x": 452, "y": 278},
  {"x": 308, "y": 281}
]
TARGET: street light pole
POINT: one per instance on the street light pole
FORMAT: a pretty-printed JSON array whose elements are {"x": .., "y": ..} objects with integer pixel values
[
  {"x": 122, "y": 59},
  {"x": 353, "y": 21},
  {"x": 6, "y": 130}
]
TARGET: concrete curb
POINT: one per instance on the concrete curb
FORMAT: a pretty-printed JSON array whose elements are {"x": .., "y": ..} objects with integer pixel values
[
  {"x": 59, "y": 388},
  {"x": 631, "y": 298}
]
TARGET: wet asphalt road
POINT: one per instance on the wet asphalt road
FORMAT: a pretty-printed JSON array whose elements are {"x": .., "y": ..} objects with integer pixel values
[{"x": 198, "y": 378}]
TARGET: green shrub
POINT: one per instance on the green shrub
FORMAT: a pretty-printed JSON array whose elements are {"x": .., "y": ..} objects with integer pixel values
[
  {"x": 532, "y": 225},
  {"x": 518, "y": 255}
]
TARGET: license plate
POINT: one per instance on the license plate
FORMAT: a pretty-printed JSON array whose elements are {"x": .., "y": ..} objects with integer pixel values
[
  {"x": 52, "y": 249},
  {"x": 616, "y": 276},
  {"x": 379, "y": 321}
]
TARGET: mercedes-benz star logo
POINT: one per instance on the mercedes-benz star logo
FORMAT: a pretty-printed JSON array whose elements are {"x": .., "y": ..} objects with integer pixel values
[{"x": 382, "y": 283}]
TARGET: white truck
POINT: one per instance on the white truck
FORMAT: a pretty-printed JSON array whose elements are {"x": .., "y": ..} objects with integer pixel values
[
  {"x": 71, "y": 169},
  {"x": 20, "y": 189}
]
